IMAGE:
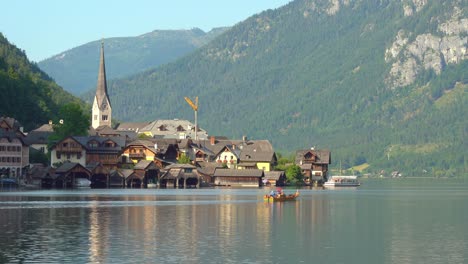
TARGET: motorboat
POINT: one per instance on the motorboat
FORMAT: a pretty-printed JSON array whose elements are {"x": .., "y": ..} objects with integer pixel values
[
  {"x": 342, "y": 181},
  {"x": 82, "y": 183}
]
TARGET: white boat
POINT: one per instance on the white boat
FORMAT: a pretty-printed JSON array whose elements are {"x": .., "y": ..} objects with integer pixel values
[
  {"x": 82, "y": 183},
  {"x": 342, "y": 181}
]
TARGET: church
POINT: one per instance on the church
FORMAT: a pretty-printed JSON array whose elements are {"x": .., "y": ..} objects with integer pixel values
[{"x": 102, "y": 109}]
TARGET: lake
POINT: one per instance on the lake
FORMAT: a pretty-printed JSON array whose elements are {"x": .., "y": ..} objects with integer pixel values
[{"x": 382, "y": 221}]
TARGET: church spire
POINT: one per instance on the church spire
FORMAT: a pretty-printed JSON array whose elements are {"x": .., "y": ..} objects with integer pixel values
[
  {"x": 102, "y": 112},
  {"x": 101, "y": 91}
]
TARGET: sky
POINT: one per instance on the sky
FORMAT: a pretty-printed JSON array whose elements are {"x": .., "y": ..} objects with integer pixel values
[{"x": 48, "y": 27}]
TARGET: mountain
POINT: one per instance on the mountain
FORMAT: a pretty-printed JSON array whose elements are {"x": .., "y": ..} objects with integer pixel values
[
  {"x": 377, "y": 82},
  {"x": 28, "y": 94},
  {"x": 75, "y": 69}
]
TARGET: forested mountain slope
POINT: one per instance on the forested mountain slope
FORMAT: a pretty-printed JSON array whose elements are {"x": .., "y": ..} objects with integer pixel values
[
  {"x": 382, "y": 82},
  {"x": 75, "y": 70},
  {"x": 27, "y": 93}
]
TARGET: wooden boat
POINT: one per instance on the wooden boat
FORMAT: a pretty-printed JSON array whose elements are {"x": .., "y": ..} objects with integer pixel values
[{"x": 280, "y": 197}]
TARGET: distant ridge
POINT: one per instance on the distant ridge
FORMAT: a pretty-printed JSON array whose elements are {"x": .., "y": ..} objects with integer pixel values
[{"x": 75, "y": 69}]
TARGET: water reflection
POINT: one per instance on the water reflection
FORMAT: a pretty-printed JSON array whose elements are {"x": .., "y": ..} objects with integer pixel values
[{"x": 234, "y": 226}]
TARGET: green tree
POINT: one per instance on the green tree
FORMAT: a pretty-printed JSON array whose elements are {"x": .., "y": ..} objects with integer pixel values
[
  {"x": 184, "y": 159},
  {"x": 73, "y": 122},
  {"x": 293, "y": 174}
]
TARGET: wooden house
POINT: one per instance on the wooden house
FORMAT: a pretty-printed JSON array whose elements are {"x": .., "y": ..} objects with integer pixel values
[
  {"x": 314, "y": 165},
  {"x": 90, "y": 149},
  {"x": 240, "y": 178},
  {"x": 179, "y": 175},
  {"x": 274, "y": 178},
  {"x": 68, "y": 173},
  {"x": 164, "y": 151},
  {"x": 148, "y": 172}
]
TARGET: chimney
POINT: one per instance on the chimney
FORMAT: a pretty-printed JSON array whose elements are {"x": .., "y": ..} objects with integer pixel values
[
  {"x": 244, "y": 138},
  {"x": 212, "y": 140}
]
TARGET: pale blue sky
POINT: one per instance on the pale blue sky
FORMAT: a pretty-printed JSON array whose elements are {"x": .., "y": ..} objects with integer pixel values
[{"x": 47, "y": 27}]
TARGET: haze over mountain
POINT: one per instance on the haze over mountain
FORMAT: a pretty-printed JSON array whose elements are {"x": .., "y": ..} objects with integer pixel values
[
  {"x": 382, "y": 82},
  {"x": 76, "y": 69}
]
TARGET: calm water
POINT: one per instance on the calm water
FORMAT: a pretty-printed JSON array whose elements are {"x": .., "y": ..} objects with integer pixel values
[{"x": 383, "y": 221}]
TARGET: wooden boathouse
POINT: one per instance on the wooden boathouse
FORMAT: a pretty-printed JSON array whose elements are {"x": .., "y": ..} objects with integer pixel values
[{"x": 240, "y": 178}]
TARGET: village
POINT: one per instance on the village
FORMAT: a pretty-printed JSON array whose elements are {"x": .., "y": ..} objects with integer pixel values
[{"x": 144, "y": 155}]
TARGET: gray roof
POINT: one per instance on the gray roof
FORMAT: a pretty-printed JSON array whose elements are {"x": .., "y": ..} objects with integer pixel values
[
  {"x": 172, "y": 128},
  {"x": 131, "y": 126},
  {"x": 251, "y": 150},
  {"x": 44, "y": 128},
  {"x": 151, "y": 143},
  {"x": 323, "y": 156},
  {"x": 119, "y": 141},
  {"x": 180, "y": 166},
  {"x": 37, "y": 137},
  {"x": 65, "y": 167},
  {"x": 125, "y": 172},
  {"x": 144, "y": 164},
  {"x": 238, "y": 173},
  {"x": 208, "y": 168},
  {"x": 11, "y": 135},
  {"x": 11, "y": 122},
  {"x": 273, "y": 175}
]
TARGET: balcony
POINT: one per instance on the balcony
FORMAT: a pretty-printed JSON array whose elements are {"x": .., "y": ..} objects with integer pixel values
[{"x": 137, "y": 155}]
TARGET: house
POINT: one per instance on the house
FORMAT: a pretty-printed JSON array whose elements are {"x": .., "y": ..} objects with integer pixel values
[
  {"x": 164, "y": 151},
  {"x": 67, "y": 174},
  {"x": 148, "y": 172},
  {"x": 37, "y": 176},
  {"x": 240, "y": 154},
  {"x": 206, "y": 172},
  {"x": 39, "y": 137},
  {"x": 89, "y": 149},
  {"x": 131, "y": 126},
  {"x": 274, "y": 178},
  {"x": 240, "y": 178},
  {"x": 99, "y": 175},
  {"x": 179, "y": 175},
  {"x": 14, "y": 150},
  {"x": 176, "y": 128},
  {"x": 314, "y": 164},
  {"x": 229, "y": 156}
]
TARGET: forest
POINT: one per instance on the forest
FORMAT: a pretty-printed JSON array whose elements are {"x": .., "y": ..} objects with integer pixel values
[
  {"x": 301, "y": 77},
  {"x": 28, "y": 94}
]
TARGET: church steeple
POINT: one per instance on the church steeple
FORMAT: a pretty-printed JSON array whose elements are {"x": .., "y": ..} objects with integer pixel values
[{"x": 101, "y": 106}]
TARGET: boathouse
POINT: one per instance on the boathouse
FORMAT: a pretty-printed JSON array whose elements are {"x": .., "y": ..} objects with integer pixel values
[
  {"x": 241, "y": 178},
  {"x": 68, "y": 173}
]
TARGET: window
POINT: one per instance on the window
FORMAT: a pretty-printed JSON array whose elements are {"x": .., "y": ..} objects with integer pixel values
[
  {"x": 65, "y": 144},
  {"x": 104, "y": 117},
  {"x": 68, "y": 155},
  {"x": 78, "y": 155},
  {"x": 58, "y": 154},
  {"x": 18, "y": 149},
  {"x": 93, "y": 144},
  {"x": 42, "y": 149},
  {"x": 95, "y": 117},
  {"x": 2, "y": 148}
]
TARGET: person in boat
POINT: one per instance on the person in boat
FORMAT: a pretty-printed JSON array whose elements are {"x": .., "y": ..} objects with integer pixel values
[{"x": 272, "y": 193}]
